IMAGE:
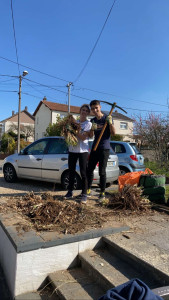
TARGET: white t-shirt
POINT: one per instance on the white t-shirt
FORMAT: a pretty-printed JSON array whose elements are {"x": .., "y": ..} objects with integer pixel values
[{"x": 82, "y": 146}]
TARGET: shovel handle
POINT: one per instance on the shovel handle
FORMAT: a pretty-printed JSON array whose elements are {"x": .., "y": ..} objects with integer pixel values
[{"x": 103, "y": 129}]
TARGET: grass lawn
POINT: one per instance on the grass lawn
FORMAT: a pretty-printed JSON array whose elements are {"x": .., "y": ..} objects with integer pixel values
[
  {"x": 167, "y": 192},
  {"x": 156, "y": 169}
]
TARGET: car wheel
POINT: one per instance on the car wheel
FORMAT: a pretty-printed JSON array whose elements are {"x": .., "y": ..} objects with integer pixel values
[
  {"x": 123, "y": 171},
  {"x": 108, "y": 184},
  {"x": 9, "y": 173},
  {"x": 65, "y": 181}
]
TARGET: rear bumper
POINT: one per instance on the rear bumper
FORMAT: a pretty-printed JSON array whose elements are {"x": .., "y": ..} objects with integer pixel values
[
  {"x": 110, "y": 176},
  {"x": 137, "y": 168}
]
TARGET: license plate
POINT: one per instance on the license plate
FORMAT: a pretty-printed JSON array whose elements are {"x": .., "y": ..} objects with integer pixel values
[{"x": 111, "y": 163}]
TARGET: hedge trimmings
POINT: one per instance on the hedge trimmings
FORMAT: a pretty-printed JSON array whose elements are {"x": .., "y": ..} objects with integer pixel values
[{"x": 69, "y": 127}]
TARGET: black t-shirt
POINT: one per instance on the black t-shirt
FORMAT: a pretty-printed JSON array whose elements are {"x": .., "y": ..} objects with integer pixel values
[{"x": 105, "y": 140}]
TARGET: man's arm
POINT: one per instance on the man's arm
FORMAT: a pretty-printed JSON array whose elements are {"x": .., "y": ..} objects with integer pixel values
[
  {"x": 93, "y": 128},
  {"x": 112, "y": 129},
  {"x": 110, "y": 123}
]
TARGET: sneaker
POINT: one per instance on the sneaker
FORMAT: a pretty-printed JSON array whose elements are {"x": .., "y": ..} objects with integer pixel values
[
  {"x": 69, "y": 195},
  {"x": 89, "y": 193},
  {"x": 83, "y": 199},
  {"x": 79, "y": 197},
  {"x": 101, "y": 197}
]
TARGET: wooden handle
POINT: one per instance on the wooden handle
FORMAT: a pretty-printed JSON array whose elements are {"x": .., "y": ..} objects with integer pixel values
[{"x": 103, "y": 129}]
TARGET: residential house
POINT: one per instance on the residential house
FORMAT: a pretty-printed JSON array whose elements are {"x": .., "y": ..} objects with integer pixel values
[
  {"x": 123, "y": 126},
  {"x": 26, "y": 122},
  {"x": 47, "y": 112}
]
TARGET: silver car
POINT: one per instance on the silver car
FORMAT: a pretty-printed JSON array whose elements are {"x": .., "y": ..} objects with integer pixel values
[
  {"x": 130, "y": 157},
  {"x": 47, "y": 160}
]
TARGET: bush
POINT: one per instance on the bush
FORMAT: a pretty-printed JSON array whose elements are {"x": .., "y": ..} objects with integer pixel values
[
  {"x": 155, "y": 167},
  {"x": 117, "y": 137},
  {"x": 8, "y": 144},
  {"x": 23, "y": 144}
]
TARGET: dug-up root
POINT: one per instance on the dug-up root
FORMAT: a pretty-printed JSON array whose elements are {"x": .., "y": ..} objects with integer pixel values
[
  {"x": 47, "y": 213},
  {"x": 130, "y": 198}
]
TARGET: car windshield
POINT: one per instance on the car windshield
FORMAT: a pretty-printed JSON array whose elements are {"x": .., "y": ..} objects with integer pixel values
[{"x": 136, "y": 150}]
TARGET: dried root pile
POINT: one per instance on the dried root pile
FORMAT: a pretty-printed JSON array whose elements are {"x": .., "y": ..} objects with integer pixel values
[
  {"x": 130, "y": 198},
  {"x": 46, "y": 212},
  {"x": 69, "y": 127}
]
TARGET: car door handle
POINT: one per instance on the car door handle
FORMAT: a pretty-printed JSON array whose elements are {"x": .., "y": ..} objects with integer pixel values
[
  {"x": 39, "y": 159},
  {"x": 64, "y": 158}
]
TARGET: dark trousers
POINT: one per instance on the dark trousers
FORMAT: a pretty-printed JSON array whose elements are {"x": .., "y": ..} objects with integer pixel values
[
  {"x": 72, "y": 160},
  {"x": 99, "y": 156}
]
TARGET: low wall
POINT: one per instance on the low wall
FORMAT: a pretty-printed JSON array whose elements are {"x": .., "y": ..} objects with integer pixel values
[{"x": 28, "y": 257}]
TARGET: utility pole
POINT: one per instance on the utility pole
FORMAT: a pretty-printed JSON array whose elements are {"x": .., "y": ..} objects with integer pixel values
[
  {"x": 19, "y": 114},
  {"x": 68, "y": 86},
  {"x": 19, "y": 109}
]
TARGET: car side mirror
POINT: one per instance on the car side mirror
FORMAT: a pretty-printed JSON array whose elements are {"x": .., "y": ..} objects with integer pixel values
[{"x": 23, "y": 152}]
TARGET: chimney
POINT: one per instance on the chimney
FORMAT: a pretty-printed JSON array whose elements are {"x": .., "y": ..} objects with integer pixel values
[
  {"x": 26, "y": 108},
  {"x": 44, "y": 98},
  {"x": 13, "y": 112},
  {"x": 116, "y": 111}
]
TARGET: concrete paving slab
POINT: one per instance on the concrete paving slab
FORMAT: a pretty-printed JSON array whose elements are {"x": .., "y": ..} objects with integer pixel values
[{"x": 28, "y": 296}]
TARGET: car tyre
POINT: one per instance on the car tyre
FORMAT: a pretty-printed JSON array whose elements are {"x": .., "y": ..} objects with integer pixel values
[
  {"x": 9, "y": 173},
  {"x": 65, "y": 181},
  {"x": 123, "y": 171}
]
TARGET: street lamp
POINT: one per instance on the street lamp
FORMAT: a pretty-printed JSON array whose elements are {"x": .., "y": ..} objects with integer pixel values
[{"x": 19, "y": 108}]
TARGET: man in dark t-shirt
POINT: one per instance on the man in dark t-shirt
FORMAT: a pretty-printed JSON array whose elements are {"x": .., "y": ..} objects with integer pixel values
[{"x": 101, "y": 155}]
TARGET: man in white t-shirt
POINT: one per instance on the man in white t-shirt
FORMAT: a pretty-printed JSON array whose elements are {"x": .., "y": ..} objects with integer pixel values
[{"x": 80, "y": 151}]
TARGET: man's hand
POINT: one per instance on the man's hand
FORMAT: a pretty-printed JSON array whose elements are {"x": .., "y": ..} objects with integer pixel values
[
  {"x": 94, "y": 126},
  {"x": 109, "y": 120}
]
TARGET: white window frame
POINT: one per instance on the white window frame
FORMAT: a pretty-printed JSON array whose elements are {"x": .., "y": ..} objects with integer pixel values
[{"x": 123, "y": 125}]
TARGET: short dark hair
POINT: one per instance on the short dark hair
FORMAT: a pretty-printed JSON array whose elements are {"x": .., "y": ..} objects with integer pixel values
[
  {"x": 94, "y": 102},
  {"x": 85, "y": 105}
]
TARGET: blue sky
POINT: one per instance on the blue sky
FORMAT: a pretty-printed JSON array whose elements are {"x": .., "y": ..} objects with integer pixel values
[{"x": 129, "y": 65}]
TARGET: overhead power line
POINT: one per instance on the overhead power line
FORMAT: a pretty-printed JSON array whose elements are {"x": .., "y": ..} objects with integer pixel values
[
  {"x": 7, "y": 75},
  {"x": 85, "y": 65},
  {"x": 6, "y": 91},
  {"x": 105, "y": 93},
  {"x": 13, "y": 23},
  {"x": 82, "y": 88},
  {"x": 40, "y": 72}
]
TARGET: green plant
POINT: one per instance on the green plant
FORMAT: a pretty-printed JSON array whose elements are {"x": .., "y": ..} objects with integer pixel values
[
  {"x": 117, "y": 137},
  {"x": 53, "y": 129},
  {"x": 156, "y": 168},
  {"x": 8, "y": 144}
]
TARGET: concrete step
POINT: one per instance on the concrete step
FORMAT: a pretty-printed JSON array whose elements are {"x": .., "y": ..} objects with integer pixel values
[
  {"x": 75, "y": 284},
  {"x": 142, "y": 255},
  {"x": 110, "y": 270}
]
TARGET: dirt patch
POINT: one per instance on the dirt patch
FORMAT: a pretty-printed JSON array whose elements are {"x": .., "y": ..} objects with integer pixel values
[{"x": 47, "y": 212}]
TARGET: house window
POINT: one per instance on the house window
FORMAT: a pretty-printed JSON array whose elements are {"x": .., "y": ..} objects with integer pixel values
[
  {"x": 123, "y": 125},
  {"x": 37, "y": 120}
]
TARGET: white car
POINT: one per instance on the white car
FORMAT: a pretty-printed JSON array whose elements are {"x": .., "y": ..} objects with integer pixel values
[{"x": 47, "y": 160}]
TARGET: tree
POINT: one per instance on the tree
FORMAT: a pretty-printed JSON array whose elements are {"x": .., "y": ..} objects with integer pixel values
[
  {"x": 52, "y": 129},
  {"x": 154, "y": 131},
  {"x": 26, "y": 131},
  {"x": 8, "y": 144}
]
